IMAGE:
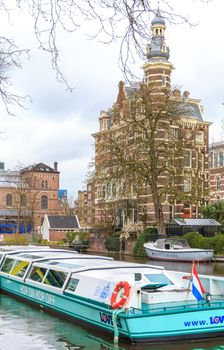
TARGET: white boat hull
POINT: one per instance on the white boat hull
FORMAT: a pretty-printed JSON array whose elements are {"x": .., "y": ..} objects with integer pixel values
[{"x": 178, "y": 254}]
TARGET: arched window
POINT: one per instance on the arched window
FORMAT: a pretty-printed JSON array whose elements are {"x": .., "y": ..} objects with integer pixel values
[
  {"x": 46, "y": 184},
  {"x": 9, "y": 200},
  {"x": 44, "y": 202}
]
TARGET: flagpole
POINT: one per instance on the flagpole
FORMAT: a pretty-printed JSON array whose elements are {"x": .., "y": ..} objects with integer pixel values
[{"x": 190, "y": 279}]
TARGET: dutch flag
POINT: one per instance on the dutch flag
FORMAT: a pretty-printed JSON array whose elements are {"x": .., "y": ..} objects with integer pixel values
[{"x": 197, "y": 288}]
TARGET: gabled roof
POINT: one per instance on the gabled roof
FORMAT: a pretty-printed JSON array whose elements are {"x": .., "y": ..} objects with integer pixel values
[
  {"x": 40, "y": 167},
  {"x": 63, "y": 222},
  {"x": 194, "y": 222}
]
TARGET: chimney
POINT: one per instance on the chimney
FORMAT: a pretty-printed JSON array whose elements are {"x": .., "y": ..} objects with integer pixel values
[
  {"x": 176, "y": 93},
  {"x": 55, "y": 166},
  {"x": 186, "y": 94}
]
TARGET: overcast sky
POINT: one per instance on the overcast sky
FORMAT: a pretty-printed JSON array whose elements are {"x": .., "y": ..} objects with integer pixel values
[{"x": 58, "y": 124}]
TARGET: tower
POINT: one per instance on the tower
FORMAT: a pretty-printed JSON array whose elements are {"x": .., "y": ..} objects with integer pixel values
[{"x": 157, "y": 70}]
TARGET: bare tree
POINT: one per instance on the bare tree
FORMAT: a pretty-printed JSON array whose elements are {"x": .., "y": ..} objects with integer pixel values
[
  {"x": 143, "y": 151},
  {"x": 67, "y": 203},
  {"x": 113, "y": 20},
  {"x": 10, "y": 58},
  {"x": 25, "y": 192}
]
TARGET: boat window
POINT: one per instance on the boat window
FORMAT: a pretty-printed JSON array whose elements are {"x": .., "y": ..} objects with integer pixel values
[
  {"x": 7, "y": 265},
  {"x": 30, "y": 256},
  {"x": 37, "y": 274},
  {"x": 138, "y": 276},
  {"x": 19, "y": 268},
  {"x": 72, "y": 285},
  {"x": 66, "y": 265},
  {"x": 158, "y": 278},
  {"x": 55, "y": 278}
]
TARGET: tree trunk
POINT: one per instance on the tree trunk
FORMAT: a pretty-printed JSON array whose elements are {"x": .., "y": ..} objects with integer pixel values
[{"x": 158, "y": 207}]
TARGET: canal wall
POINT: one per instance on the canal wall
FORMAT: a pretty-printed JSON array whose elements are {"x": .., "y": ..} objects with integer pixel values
[{"x": 97, "y": 244}]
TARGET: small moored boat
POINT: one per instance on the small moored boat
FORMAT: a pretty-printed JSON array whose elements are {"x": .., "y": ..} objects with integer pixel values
[
  {"x": 176, "y": 250},
  {"x": 139, "y": 302}
]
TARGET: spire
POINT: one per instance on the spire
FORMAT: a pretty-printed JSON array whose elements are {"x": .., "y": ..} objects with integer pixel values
[
  {"x": 158, "y": 48},
  {"x": 158, "y": 18},
  {"x": 157, "y": 69}
]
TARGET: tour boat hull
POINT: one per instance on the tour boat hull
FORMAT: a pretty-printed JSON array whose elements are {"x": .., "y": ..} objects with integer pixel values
[{"x": 194, "y": 321}]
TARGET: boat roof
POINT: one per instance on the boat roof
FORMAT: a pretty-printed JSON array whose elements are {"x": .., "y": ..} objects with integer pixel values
[
  {"x": 73, "y": 262},
  {"x": 11, "y": 248},
  {"x": 172, "y": 240}
]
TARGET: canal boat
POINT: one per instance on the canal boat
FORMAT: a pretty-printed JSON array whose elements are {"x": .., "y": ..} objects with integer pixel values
[
  {"x": 139, "y": 302},
  {"x": 178, "y": 249}
]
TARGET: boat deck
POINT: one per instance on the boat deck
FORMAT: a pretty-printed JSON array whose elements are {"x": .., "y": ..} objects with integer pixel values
[{"x": 178, "y": 307}]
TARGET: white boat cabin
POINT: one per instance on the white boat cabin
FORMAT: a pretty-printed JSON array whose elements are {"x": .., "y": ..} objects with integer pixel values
[{"x": 94, "y": 277}]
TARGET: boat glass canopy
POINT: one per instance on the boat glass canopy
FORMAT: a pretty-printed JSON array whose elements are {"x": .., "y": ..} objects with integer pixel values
[
  {"x": 55, "y": 278},
  {"x": 7, "y": 265},
  {"x": 178, "y": 242},
  {"x": 37, "y": 274},
  {"x": 19, "y": 268},
  {"x": 158, "y": 278}
]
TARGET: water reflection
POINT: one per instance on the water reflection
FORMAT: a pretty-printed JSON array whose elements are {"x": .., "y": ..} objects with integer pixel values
[
  {"x": 37, "y": 330},
  {"x": 33, "y": 329}
]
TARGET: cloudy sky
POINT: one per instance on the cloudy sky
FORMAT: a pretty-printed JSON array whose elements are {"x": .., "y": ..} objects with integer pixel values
[{"x": 58, "y": 124}]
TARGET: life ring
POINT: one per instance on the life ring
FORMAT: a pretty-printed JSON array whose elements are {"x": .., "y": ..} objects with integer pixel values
[{"x": 116, "y": 304}]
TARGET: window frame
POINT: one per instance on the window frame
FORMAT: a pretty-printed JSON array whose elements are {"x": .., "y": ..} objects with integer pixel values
[
  {"x": 187, "y": 158},
  {"x": 9, "y": 203},
  {"x": 218, "y": 183},
  {"x": 51, "y": 285},
  {"x": 9, "y": 258},
  {"x": 187, "y": 178},
  {"x": 44, "y": 201}
]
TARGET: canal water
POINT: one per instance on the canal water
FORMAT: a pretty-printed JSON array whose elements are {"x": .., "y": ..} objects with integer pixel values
[{"x": 23, "y": 327}]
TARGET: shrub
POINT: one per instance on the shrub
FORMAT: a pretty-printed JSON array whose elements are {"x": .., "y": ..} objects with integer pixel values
[
  {"x": 112, "y": 244},
  {"x": 44, "y": 242},
  {"x": 70, "y": 236},
  {"x": 149, "y": 234},
  {"x": 16, "y": 239},
  {"x": 83, "y": 237},
  {"x": 36, "y": 238},
  {"x": 117, "y": 234},
  {"x": 196, "y": 240},
  {"x": 59, "y": 243},
  {"x": 218, "y": 243}
]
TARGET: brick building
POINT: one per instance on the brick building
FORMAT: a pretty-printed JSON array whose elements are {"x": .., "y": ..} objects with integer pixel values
[
  {"x": 216, "y": 171},
  {"x": 27, "y": 195},
  {"x": 189, "y": 131},
  {"x": 54, "y": 228},
  {"x": 81, "y": 208}
]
